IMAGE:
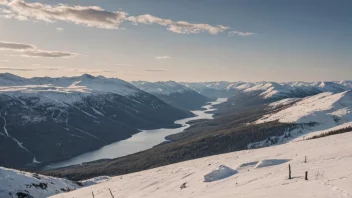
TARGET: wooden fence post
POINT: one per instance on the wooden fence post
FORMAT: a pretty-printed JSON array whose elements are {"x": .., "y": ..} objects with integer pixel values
[
  {"x": 111, "y": 193},
  {"x": 289, "y": 171},
  {"x": 306, "y": 178}
]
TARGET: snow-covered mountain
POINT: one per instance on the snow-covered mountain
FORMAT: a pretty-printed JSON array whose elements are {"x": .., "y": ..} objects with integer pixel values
[
  {"x": 212, "y": 90},
  {"x": 51, "y": 119},
  {"x": 347, "y": 83},
  {"x": 174, "y": 94},
  {"x": 318, "y": 114},
  {"x": 267, "y": 90},
  {"x": 163, "y": 88},
  {"x": 248, "y": 174},
  {"x": 327, "y": 109}
]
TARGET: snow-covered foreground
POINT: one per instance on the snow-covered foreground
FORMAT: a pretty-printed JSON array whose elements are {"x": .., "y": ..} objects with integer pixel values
[
  {"x": 21, "y": 184},
  {"x": 14, "y": 183},
  {"x": 328, "y": 164}
]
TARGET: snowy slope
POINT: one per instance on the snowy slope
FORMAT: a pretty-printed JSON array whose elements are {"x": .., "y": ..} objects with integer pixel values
[
  {"x": 14, "y": 183},
  {"x": 7, "y": 79},
  {"x": 63, "y": 90},
  {"x": 326, "y": 108},
  {"x": 269, "y": 90},
  {"x": 346, "y": 83},
  {"x": 220, "y": 85},
  {"x": 257, "y": 173},
  {"x": 213, "y": 90},
  {"x": 164, "y": 88},
  {"x": 174, "y": 94},
  {"x": 315, "y": 133}
]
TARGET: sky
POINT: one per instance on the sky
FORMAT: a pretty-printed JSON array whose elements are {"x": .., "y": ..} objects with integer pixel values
[{"x": 183, "y": 40}]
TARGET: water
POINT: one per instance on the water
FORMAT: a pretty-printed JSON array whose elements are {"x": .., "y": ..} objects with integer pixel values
[{"x": 141, "y": 141}]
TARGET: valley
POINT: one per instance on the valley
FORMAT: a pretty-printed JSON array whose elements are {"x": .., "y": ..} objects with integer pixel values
[
  {"x": 175, "y": 99},
  {"x": 141, "y": 141}
]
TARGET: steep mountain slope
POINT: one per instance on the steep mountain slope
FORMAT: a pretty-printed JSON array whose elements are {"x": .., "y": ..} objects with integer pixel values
[
  {"x": 174, "y": 94},
  {"x": 14, "y": 183},
  {"x": 50, "y": 119},
  {"x": 253, "y": 173}
]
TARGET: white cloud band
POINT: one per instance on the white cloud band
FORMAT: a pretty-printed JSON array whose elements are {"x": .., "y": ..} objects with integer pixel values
[{"x": 93, "y": 16}]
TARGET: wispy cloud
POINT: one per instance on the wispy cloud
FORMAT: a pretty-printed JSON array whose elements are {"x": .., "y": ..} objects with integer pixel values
[
  {"x": 28, "y": 69},
  {"x": 163, "y": 57},
  {"x": 69, "y": 70},
  {"x": 155, "y": 70},
  {"x": 90, "y": 16},
  {"x": 28, "y": 50},
  {"x": 60, "y": 29},
  {"x": 4, "y": 61},
  {"x": 180, "y": 27},
  {"x": 15, "y": 46},
  {"x": 121, "y": 64},
  {"x": 14, "y": 69},
  {"x": 94, "y": 16},
  {"x": 238, "y": 33},
  {"x": 48, "y": 54}
]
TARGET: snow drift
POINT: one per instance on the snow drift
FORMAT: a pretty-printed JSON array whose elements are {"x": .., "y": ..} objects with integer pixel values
[{"x": 221, "y": 173}]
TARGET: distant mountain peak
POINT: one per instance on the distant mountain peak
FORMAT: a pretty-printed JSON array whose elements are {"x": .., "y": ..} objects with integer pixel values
[{"x": 88, "y": 76}]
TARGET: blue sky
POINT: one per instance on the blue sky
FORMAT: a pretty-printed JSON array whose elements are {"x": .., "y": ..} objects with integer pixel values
[{"x": 287, "y": 40}]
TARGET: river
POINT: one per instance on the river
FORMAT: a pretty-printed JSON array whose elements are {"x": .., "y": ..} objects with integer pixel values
[{"x": 141, "y": 141}]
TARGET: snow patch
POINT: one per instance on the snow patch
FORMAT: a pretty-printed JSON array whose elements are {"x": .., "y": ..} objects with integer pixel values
[
  {"x": 270, "y": 162},
  {"x": 221, "y": 173},
  {"x": 95, "y": 180}
]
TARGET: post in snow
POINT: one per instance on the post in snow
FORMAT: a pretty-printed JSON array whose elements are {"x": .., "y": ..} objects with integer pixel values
[{"x": 289, "y": 171}]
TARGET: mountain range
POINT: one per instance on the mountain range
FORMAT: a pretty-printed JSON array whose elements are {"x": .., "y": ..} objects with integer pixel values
[
  {"x": 253, "y": 117},
  {"x": 174, "y": 94},
  {"x": 44, "y": 120},
  {"x": 49, "y": 119}
]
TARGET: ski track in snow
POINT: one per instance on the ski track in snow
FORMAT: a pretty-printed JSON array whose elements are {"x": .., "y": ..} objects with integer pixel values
[
  {"x": 97, "y": 112},
  {"x": 88, "y": 114},
  {"x": 14, "y": 139},
  {"x": 84, "y": 132}
]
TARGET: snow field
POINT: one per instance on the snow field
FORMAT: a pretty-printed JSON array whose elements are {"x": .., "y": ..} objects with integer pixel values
[{"x": 328, "y": 162}]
